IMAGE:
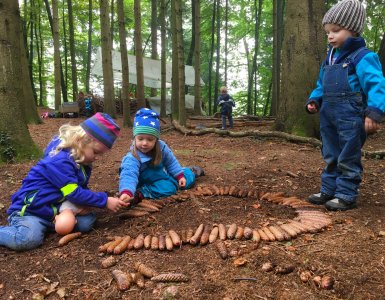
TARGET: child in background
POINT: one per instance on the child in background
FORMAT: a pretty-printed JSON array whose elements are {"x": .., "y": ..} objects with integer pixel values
[
  {"x": 350, "y": 96},
  {"x": 227, "y": 103},
  {"x": 88, "y": 105},
  {"x": 62, "y": 175},
  {"x": 150, "y": 169}
]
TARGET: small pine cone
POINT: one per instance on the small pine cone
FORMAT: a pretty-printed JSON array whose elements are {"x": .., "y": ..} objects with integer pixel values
[
  {"x": 222, "y": 250},
  {"x": 170, "y": 277},
  {"x": 146, "y": 271},
  {"x": 138, "y": 278},
  {"x": 109, "y": 262},
  {"x": 122, "y": 279}
]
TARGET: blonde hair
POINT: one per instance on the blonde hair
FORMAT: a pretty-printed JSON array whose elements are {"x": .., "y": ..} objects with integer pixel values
[
  {"x": 223, "y": 89},
  {"x": 73, "y": 138},
  {"x": 155, "y": 153}
]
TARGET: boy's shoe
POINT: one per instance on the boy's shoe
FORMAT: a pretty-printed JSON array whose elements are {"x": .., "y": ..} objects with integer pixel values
[
  {"x": 337, "y": 204},
  {"x": 319, "y": 199},
  {"x": 198, "y": 171}
]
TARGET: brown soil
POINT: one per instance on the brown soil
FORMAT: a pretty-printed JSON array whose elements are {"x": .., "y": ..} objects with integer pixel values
[{"x": 352, "y": 251}]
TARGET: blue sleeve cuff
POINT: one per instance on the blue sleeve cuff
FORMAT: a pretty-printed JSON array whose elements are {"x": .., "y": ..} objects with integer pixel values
[{"x": 374, "y": 113}]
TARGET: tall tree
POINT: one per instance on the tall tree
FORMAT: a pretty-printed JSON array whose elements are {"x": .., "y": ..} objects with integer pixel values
[
  {"x": 89, "y": 46},
  {"x": 124, "y": 59},
  {"x": 226, "y": 39},
  {"x": 197, "y": 59},
  {"x": 154, "y": 35},
  {"x": 210, "y": 100},
  {"x": 218, "y": 58},
  {"x": 303, "y": 46},
  {"x": 108, "y": 77},
  {"x": 139, "y": 55},
  {"x": 72, "y": 51},
  {"x": 17, "y": 142},
  {"x": 278, "y": 12},
  {"x": 175, "y": 70},
  {"x": 381, "y": 53},
  {"x": 56, "y": 46},
  {"x": 190, "y": 55},
  {"x": 163, "y": 58},
  {"x": 62, "y": 83},
  {"x": 181, "y": 68},
  {"x": 253, "y": 70}
]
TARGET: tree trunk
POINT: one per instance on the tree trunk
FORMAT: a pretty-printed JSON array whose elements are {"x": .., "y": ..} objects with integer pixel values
[
  {"x": 139, "y": 56},
  {"x": 89, "y": 46},
  {"x": 175, "y": 76},
  {"x": 56, "y": 46},
  {"x": 65, "y": 48},
  {"x": 40, "y": 51},
  {"x": 190, "y": 55},
  {"x": 108, "y": 79},
  {"x": 226, "y": 39},
  {"x": 303, "y": 51},
  {"x": 218, "y": 58},
  {"x": 30, "y": 56},
  {"x": 163, "y": 59},
  {"x": 124, "y": 59},
  {"x": 181, "y": 73},
  {"x": 210, "y": 100},
  {"x": 16, "y": 140},
  {"x": 154, "y": 36},
  {"x": 253, "y": 69},
  {"x": 63, "y": 85},
  {"x": 28, "y": 100},
  {"x": 278, "y": 11},
  {"x": 381, "y": 53},
  {"x": 72, "y": 51},
  {"x": 197, "y": 59}
]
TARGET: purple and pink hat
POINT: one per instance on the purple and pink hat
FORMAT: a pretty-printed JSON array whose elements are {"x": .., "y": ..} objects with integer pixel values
[{"x": 102, "y": 128}]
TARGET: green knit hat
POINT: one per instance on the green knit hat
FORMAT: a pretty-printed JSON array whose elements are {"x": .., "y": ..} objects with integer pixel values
[{"x": 147, "y": 122}]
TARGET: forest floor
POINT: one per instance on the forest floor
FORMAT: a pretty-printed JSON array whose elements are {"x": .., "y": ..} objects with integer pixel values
[{"x": 351, "y": 250}]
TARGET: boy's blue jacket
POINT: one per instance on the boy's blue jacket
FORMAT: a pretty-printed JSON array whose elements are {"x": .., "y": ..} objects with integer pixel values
[
  {"x": 131, "y": 167},
  {"x": 52, "y": 180},
  {"x": 365, "y": 75},
  {"x": 227, "y": 103}
]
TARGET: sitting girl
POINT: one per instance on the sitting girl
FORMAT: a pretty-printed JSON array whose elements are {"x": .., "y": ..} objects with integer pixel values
[{"x": 150, "y": 169}]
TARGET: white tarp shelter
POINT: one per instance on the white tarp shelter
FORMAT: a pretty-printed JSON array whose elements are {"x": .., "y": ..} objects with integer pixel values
[
  {"x": 155, "y": 103},
  {"x": 151, "y": 70}
]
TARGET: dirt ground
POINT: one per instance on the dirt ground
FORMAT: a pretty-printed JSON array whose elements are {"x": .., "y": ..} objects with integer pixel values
[{"x": 351, "y": 251}]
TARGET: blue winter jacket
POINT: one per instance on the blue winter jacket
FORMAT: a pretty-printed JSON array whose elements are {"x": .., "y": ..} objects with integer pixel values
[
  {"x": 52, "y": 180},
  {"x": 227, "y": 103},
  {"x": 365, "y": 76},
  {"x": 131, "y": 167}
]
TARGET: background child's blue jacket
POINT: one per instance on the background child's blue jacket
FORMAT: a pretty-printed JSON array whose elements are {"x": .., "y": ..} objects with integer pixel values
[
  {"x": 54, "y": 179},
  {"x": 365, "y": 75},
  {"x": 131, "y": 168}
]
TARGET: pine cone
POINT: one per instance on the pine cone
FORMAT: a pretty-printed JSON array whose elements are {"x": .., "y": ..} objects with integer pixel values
[{"x": 170, "y": 277}]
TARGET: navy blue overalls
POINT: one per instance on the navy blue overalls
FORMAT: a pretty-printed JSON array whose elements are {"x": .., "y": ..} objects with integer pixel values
[{"x": 342, "y": 131}]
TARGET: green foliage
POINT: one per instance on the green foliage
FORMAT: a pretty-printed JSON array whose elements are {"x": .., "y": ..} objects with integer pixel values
[
  {"x": 11, "y": 152},
  {"x": 8, "y": 153}
]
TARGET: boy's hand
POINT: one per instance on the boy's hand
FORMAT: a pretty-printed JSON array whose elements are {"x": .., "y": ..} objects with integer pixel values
[
  {"x": 371, "y": 126},
  {"x": 114, "y": 204},
  {"x": 312, "y": 107},
  {"x": 182, "y": 182}
]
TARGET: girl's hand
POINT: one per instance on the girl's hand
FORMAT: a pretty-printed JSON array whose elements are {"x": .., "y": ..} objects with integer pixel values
[
  {"x": 312, "y": 107},
  {"x": 114, "y": 204},
  {"x": 371, "y": 126},
  {"x": 182, "y": 182}
]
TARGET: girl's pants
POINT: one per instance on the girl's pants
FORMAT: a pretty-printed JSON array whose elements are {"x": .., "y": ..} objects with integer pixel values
[
  {"x": 165, "y": 185},
  {"x": 27, "y": 232}
]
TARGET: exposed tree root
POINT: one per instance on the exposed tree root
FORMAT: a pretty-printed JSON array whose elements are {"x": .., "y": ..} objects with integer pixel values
[{"x": 267, "y": 134}]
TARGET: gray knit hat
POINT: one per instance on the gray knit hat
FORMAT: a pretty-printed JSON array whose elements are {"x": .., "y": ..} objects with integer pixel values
[{"x": 349, "y": 14}]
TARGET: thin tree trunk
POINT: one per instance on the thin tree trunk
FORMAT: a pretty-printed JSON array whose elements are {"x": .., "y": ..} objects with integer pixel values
[
  {"x": 139, "y": 55},
  {"x": 163, "y": 59},
  {"x": 175, "y": 77},
  {"x": 226, "y": 38},
  {"x": 56, "y": 45},
  {"x": 30, "y": 56},
  {"x": 381, "y": 53},
  {"x": 211, "y": 58},
  {"x": 181, "y": 72},
  {"x": 72, "y": 51},
  {"x": 218, "y": 58},
  {"x": 65, "y": 48},
  {"x": 154, "y": 36},
  {"x": 63, "y": 85},
  {"x": 197, "y": 59},
  {"x": 124, "y": 59},
  {"x": 190, "y": 55},
  {"x": 108, "y": 79},
  {"x": 89, "y": 46}
]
